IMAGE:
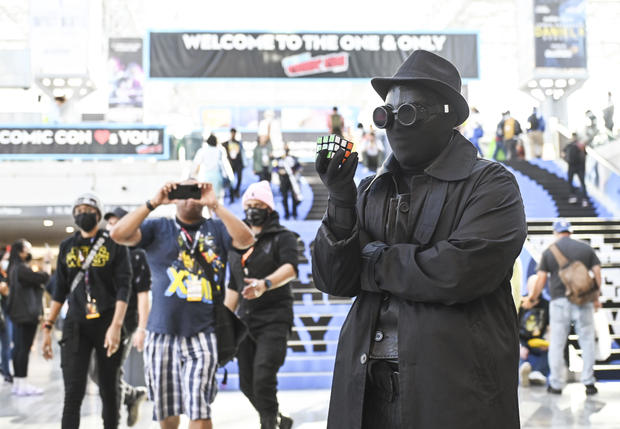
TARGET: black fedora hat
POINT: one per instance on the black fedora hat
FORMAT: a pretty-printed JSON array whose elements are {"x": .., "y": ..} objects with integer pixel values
[{"x": 432, "y": 71}]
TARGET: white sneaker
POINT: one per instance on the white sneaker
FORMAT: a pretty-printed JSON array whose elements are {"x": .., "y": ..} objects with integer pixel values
[
  {"x": 31, "y": 390},
  {"x": 537, "y": 378},
  {"x": 26, "y": 389},
  {"x": 524, "y": 374}
]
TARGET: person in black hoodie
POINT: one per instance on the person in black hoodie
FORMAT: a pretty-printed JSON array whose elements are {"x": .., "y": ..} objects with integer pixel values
[
  {"x": 24, "y": 307},
  {"x": 97, "y": 306},
  {"x": 260, "y": 288}
]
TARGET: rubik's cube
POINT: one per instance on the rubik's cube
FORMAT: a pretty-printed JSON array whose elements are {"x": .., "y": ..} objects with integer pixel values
[{"x": 332, "y": 143}]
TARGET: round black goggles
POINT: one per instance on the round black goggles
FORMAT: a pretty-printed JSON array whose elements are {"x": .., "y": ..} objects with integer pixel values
[{"x": 407, "y": 114}]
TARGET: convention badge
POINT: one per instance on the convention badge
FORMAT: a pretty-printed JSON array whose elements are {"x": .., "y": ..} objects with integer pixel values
[
  {"x": 194, "y": 289},
  {"x": 91, "y": 310},
  {"x": 332, "y": 143}
]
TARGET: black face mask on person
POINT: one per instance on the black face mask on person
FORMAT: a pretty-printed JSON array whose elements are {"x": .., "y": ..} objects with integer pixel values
[
  {"x": 417, "y": 145},
  {"x": 86, "y": 221},
  {"x": 28, "y": 257},
  {"x": 256, "y": 216}
]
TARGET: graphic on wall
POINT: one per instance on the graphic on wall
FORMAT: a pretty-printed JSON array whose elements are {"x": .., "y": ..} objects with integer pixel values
[
  {"x": 299, "y": 55},
  {"x": 84, "y": 141},
  {"x": 125, "y": 72},
  {"x": 560, "y": 33}
]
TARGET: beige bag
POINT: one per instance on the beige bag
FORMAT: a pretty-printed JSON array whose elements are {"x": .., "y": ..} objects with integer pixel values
[{"x": 580, "y": 285}]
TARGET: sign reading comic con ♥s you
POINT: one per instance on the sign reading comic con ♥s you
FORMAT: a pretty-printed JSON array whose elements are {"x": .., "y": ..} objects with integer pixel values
[
  {"x": 300, "y": 55},
  {"x": 84, "y": 142}
]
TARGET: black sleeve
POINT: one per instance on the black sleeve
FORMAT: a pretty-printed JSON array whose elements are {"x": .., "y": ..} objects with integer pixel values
[
  {"x": 141, "y": 279},
  {"x": 63, "y": 282},
  {"x": 287, "y": 250},
  {"x": 27, "y": 277},
  {"x": 122, "y": 272},
  {"x": 336, "y": 255},
  {"x": 236, "y": 271}
]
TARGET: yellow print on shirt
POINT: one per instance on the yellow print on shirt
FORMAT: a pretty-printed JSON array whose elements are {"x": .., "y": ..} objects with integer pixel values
[
  {"x": 77, "y": 255},
  {"x": 178, "y": 286}
]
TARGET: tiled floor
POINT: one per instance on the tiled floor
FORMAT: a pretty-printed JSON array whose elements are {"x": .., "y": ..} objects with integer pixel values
[{"x": 308, "y": 407}]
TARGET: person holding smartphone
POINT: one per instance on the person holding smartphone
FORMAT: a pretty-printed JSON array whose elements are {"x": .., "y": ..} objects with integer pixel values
[
  {"x": 94, "y": 274},
  {"x": 180, "y": 349}
]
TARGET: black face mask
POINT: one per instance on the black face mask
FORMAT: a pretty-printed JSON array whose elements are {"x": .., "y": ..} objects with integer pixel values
[
  {"x": 416, "y": 146},
  {"x": 256, "y": 216},
  {"x": 86, "y": 221},
  {"x": 28, "y": 257}
]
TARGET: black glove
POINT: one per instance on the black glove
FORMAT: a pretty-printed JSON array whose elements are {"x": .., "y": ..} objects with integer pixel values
[{"x": 338, "y": 177}]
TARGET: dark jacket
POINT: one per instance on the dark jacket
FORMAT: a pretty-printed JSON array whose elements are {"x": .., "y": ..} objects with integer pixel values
[
  {"x": 109, "y": 275},
  {"x": 25, "y": 293},
  {"x": 458, "y": 330},
  {"x": 274, "y": 247}
]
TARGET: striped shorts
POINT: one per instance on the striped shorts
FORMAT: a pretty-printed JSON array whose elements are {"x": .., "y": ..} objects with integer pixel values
[{"x": 180, "y": 374}]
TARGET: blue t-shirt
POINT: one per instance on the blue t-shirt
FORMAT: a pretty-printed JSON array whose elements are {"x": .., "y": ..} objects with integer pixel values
[{"x": 172, "y": 266}]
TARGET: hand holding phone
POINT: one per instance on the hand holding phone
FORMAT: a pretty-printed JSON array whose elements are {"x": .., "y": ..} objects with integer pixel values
[{"x": 184, "y": 192}]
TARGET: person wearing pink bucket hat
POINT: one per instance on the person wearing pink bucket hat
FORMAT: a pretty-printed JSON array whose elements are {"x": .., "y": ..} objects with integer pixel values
[
  {"x": 260, "y": 289},
  {"x": 260, "y": 191}
]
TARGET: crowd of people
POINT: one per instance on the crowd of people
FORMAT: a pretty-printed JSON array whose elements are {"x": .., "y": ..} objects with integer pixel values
[
  {"x": 427, "y": 245},
  {"x": 104, "y": 276}
]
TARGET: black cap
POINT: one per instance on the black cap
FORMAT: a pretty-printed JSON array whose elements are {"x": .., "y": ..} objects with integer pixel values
[{"x": 119, "y": 212}]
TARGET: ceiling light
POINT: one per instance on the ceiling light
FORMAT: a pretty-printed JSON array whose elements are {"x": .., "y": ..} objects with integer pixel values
[
  {"x": 546, "y": 83},
  {"x": 46, "y": 81},
  {"x": 48, "y": 222},
  {"x": 69, "y": 229},
  {"x": 560, "y": 83},
  {"x": 74, "y": 81},
  {"x": 532, "y": 84},
  {"x": 58, "y": 81}
]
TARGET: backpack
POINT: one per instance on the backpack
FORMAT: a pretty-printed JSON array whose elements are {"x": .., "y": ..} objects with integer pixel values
[
  {"x": 580, "y": 286},
  {"x": 509, "y": 128},
  {"x": 336, "y": 122},
  {"x": 533, "y": 120}
]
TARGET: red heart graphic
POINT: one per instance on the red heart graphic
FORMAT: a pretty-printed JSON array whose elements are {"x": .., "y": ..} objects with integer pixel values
[{"x": 102, "y": 136}]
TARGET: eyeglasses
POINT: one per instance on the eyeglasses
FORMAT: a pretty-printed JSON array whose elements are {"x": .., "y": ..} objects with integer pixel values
[{"x": 407, "y": 114}]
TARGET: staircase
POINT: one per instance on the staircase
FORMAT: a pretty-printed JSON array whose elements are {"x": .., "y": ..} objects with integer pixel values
[
  {"x": 556, "y": 187},
  {"x": 604, "y": 237}
]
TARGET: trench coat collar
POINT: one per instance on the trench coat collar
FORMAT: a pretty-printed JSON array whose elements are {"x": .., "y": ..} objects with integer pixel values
[{"x": 454, "y": 163}]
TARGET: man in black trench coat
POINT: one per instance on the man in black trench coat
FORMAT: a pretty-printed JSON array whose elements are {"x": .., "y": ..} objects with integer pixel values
[{"x": 427, "y": 247}]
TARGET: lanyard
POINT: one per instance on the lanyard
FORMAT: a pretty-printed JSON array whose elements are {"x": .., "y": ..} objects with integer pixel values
[
  {"x": 190, "y": 242},
  {"x": 83, "y": 258},
  {"x": 246, "y": 255}
]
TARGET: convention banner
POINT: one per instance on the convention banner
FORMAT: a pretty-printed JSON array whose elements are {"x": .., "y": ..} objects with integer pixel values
[
  {"x": 125, "y": 72},
  {"x": 295, "y": 55},
  {"x": 560, "y": 33},
  {"x": 82, "y": 142}
]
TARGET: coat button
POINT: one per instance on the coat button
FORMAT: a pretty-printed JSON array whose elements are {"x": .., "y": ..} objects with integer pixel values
[
  {"x": 378, "y": 336},
  {"x": 403, "y": 207},
  {"x": 363, "y": 358}
]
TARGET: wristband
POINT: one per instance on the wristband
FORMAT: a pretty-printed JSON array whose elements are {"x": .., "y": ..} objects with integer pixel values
[
  {"x": 149, "y": 205},
  {"x": 48, "y": 325},
  {"x": 267, "y": 283}
]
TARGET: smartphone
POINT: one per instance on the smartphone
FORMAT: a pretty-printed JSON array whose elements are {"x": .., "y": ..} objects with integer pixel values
[
  {"x": 332, "y": 143},
  {"x": 184, "y": 192}
]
